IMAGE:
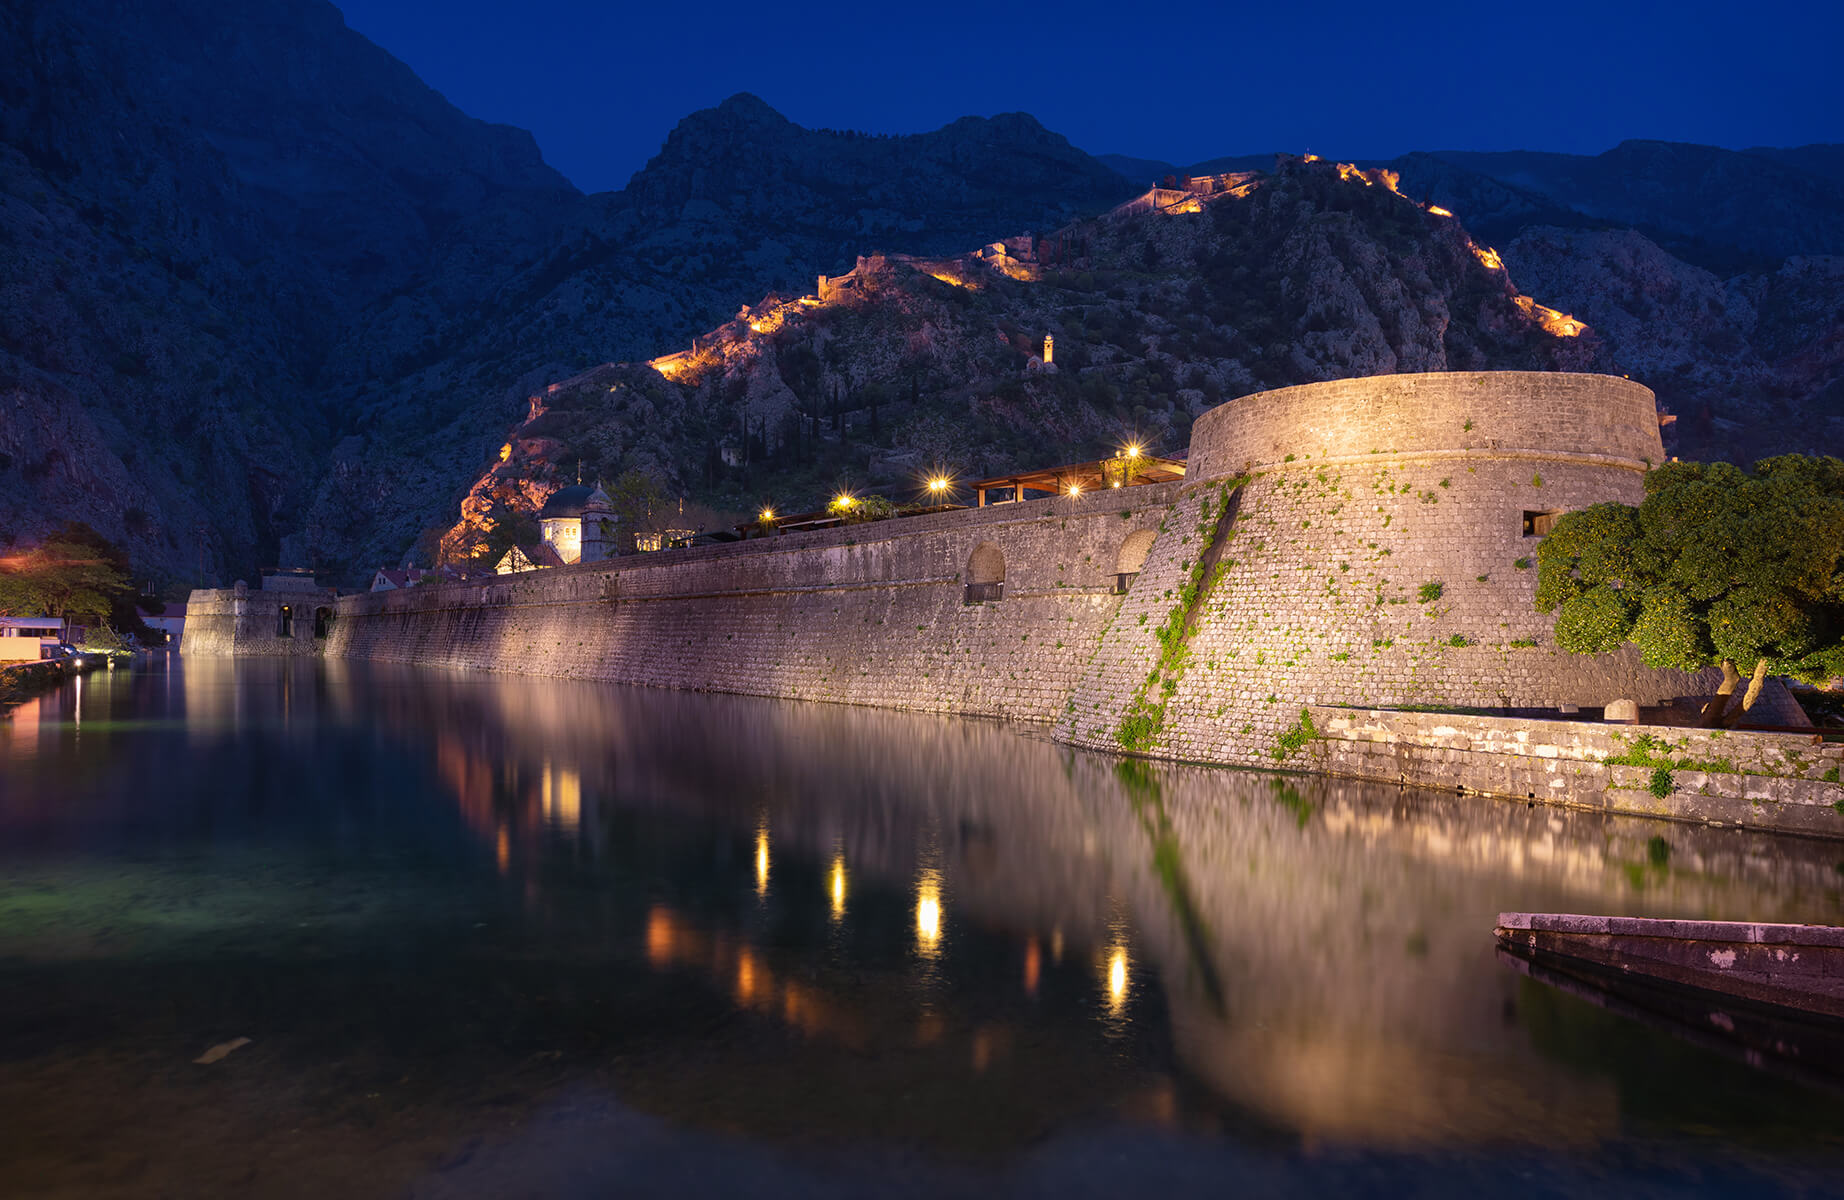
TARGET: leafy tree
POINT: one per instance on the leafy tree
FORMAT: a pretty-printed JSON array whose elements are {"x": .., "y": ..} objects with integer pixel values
[
  {"x": 1716, "y": 567},
  {"x": 635, "y": 496},
  {"x": 75, "y": 574},
  {"x": 511, "y": 527}
]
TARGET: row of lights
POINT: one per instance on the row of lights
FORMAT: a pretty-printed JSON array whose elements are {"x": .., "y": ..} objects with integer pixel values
[{"x": 939, "y": 485}]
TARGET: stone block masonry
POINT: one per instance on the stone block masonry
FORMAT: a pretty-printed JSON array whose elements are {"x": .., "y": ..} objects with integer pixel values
[
  {"x": 1383, "y": 554},
  {"x": 1362, "y": 545},
  {"x": 240, "y": 621},
  {"x": 1777, "y": 781},
  {"x": 864, "y": 614}
]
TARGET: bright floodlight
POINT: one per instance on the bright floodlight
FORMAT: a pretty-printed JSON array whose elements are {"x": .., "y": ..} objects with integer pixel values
[
  {"x": 938, "y": 484},
  {"x": 1133, "y": 450},
  {"x": 768, "y": 514}
]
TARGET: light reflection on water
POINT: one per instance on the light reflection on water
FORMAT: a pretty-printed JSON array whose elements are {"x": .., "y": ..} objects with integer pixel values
[{"x": 805, "y": 923}]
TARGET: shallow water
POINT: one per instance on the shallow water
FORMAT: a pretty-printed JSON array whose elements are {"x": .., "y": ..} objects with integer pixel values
[{"x": 496, "y": 937}]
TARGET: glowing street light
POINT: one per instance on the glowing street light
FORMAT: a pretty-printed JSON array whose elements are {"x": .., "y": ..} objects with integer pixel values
[
  {"x": 1133, "y": 450},
  {"x": 938, "y": 485},
  {"x": 1075, "y": 489},
  {"x": 768, "y": 514}
]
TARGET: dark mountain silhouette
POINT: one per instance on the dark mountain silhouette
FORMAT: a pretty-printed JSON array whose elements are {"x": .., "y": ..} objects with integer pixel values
[{"x": 266, "y": 296}]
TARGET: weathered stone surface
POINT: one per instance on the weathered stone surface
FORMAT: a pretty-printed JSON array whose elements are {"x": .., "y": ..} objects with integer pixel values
[{"x": 1351, "y": 586}]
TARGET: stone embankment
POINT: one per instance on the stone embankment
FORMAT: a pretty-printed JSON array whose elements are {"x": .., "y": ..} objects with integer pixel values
[
  {"x": 1363, "y": 545},
  {"x": 22, "y": 681},
  {"x": 1783, "y": 781}
]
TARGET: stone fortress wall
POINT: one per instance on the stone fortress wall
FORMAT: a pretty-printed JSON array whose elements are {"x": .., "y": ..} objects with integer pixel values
[
  {"x": 863, "y": 614},
  {"x": 1382, "y": 554},
  {"x": 258, "y": 622},
  {"x": 1350, "y": 546}
]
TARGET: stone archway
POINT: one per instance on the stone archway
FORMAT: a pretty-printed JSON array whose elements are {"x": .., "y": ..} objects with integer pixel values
[
  {"x": 1132, "y": 557},
  {"x": 985, "y": 574}
]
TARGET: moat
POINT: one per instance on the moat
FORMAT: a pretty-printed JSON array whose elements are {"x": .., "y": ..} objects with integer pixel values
[{"x": 495, "y": 936}]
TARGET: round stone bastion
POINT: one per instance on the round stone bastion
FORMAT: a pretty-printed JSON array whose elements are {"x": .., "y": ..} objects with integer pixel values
[
  {"x": 1587, "y": 420},
  {"x": 1379, "y": 551}
]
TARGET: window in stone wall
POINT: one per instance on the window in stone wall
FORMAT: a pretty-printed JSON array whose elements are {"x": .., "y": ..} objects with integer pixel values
[
  {"x": 285, "y": 622},
  {"x": 323, "y": 621},
  {"x": 1538, "y": 524}
]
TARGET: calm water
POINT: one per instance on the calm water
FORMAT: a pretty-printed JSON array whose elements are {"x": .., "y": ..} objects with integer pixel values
[{"x": 497, "y": 937}]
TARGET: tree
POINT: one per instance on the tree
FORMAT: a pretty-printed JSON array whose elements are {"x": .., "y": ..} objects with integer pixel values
[
  {"x": 75, "y": 574},
  {"x": 635, "y": 496},
  {"x": 1716, "y": 567}
]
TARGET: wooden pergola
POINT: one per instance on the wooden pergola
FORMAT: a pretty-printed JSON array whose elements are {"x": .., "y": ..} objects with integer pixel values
[
  {"x": 1124, "y": 470},
  {"x": 825, "y": 518}
]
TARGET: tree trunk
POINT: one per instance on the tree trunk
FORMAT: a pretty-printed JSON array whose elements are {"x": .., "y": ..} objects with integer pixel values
[
  {"x": 1753, "y": 693},
  {"x": 1719, "y": 703}
]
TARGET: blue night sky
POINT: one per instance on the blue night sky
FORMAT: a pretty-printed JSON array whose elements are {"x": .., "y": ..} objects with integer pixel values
[{"x": 601, "y": 83}]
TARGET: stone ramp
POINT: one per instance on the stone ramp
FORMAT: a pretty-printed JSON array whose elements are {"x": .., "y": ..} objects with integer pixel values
[{"x": 1798, "y": 967}]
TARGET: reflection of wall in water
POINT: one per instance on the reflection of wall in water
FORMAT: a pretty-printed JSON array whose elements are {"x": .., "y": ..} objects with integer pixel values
[{"x": 1325, "y": 947}]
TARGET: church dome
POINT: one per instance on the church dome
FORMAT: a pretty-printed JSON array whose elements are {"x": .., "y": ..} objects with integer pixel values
[{"x": 571, "y": 501}]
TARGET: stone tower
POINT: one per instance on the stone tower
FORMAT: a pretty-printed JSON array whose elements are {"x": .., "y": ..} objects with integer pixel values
[{"x": 598, "y": 527}]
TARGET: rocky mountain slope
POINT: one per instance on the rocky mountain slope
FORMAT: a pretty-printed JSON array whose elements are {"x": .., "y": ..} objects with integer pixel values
[
  {"x": 1714, "y": 276},
  {"x": 264, "y": 296},
  {"x": 911, "y": 367}
]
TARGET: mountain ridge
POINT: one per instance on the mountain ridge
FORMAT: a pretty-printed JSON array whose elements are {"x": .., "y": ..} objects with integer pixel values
[{"x": 249, "y": 312}]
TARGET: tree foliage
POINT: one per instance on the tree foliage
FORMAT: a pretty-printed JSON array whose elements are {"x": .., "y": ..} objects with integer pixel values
[
  {"x": 1715, "y": 567},
  {"x": 75, "y": 574}
]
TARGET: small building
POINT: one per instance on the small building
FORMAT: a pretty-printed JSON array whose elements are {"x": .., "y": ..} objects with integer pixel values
[
  {"x": 389, "y": 580},
  {"x": 28, "y": 639},
  {"x": 578, "y": 523},
  {"x": 663, "y": 539},
  {"x": 170, "y": 620},
  {"x": 520, "y": 558}
]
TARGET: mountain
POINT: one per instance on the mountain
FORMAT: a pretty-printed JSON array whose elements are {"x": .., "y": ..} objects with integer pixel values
[
  {"x": 739, "y": 201},
  {"x": 267, "y": 297},
  {"x": 200, "y": 203},
  {"x": 918, "y": 365},
  {"x": 264, "y": 295}
]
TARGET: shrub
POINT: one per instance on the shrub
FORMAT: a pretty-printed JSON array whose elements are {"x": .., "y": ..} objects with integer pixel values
[{"x": 1430, "y": 592}]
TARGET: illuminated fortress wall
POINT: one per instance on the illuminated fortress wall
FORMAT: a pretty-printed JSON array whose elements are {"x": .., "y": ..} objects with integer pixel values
[
  {"x": 1382, "y": 554},
  {"x": 251, "y": 622},
  {"x": 1377, "y": 555},
  {"x": 864, "y": 614}
]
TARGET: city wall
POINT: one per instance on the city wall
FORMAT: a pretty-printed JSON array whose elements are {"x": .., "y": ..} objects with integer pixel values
[
  {"x": 1359, "y": 545},
  {"x": 241, "y": 621},
  {"x": 864, "y": 614}
]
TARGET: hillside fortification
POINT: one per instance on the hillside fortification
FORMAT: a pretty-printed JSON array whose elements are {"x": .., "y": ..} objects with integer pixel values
[
  {"x": 1344, "y": 581},
  {"x": 1369, "y": 542}
]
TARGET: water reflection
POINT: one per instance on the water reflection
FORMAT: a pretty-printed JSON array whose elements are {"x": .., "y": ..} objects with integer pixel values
[
  {"x": 836, "y": 885},
  {"x": 928, "y": 912},
  {"x": 1227, "y": 954}
]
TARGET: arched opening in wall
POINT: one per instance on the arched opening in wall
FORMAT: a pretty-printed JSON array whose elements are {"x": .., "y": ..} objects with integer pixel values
[
  {"x": 985, "y": 574},
  {"x": 323, "y": 621},
  {"x": 285, "y": 622},
  {"x": 1131, "y": 558}
]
